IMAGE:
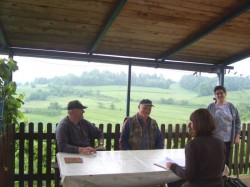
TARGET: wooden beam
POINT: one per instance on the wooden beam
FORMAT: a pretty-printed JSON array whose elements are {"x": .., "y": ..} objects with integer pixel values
[
  {"x": 189, "y": 41},
  {"x": 3, "y": 38},
  {"x": 118, "y": 8},
  {"x": 237, "y": 58},
  {"x": 117, "y": 60}
]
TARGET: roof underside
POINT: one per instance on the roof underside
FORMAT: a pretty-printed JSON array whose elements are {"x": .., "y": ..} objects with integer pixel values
[{"x": 209, "y": 34}]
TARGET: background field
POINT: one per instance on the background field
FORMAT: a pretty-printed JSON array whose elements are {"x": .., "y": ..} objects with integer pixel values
[{"x": 109, "y": 105}]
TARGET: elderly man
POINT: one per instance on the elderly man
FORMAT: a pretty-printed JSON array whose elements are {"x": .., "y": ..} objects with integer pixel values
[
  {"x": 73, "y": 133},
  {"x": 140, "y": 131}
]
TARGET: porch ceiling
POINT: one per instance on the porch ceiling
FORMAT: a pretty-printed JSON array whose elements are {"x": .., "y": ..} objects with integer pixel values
[{"x": 207, "y": 34}]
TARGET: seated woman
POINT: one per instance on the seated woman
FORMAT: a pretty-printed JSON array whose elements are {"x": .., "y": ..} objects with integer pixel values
[{"x": 205, "y": 154}]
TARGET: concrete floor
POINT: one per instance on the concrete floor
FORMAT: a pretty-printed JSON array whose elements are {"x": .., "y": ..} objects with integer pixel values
[{"x": 245, "y": 179}]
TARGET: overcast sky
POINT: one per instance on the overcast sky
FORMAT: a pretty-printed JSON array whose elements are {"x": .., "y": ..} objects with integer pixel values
[{"x": 31, "y": 68}]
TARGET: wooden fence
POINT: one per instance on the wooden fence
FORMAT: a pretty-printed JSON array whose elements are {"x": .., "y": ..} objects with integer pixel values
[
  {"x": 35, "y": 150},
  {"x": 6, "y": 158}
]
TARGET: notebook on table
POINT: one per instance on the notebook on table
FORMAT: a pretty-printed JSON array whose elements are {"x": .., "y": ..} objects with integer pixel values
[{"x": 73, "y": 160}]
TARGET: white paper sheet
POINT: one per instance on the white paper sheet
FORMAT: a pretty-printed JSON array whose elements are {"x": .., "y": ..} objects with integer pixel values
[{"x": 176, "y": 160}]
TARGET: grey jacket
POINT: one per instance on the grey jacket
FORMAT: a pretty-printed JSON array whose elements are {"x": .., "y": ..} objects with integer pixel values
[
  {"x": 236, "y": 123},
  {"x": 70, "y": 137}
]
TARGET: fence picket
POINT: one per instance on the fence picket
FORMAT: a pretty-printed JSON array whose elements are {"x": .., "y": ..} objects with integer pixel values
[
  {"x": 183, "y": 136},
  {"x": 39, "y": 154},
  {"x": 21, "y": 155},
  {"x": 109, "y": 137},
  {"x": 242, "y": 148},
  {"x": 176, "y": 137},
  {"x": 101, "y": 126},
  {"x": 247, "y": 164},
  {"x": 117, "y": 137},
  {"x": 169, "y": 136},
  {"x": 31, "y": 156},
  {"x": 163, "y": 133},
  {"x": 236, "y": 159},
  {"x": 48, "y": 156}
]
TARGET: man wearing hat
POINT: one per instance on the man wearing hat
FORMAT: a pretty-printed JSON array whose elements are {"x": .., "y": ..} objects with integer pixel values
[
  {"x": 140, "y": 131},
  {"x": 74, "y": 133}
]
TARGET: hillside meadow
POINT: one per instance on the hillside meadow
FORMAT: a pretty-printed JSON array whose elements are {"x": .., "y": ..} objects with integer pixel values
[{"x": 107, "y": 104}]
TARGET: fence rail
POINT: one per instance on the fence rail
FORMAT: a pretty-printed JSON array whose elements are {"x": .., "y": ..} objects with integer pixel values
[{"x": 35, "y": 151}]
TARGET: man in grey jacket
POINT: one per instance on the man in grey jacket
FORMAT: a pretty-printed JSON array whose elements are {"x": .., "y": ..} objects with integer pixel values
[{"x": 74, "y": 133}]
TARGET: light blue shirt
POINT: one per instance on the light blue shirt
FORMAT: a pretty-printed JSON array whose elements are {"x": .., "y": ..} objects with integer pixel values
[
  {"x": 236, "y": 124},
  {"x": 223, "y": 119}
]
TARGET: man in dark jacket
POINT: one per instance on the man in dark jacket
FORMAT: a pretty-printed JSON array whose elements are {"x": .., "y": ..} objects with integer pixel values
[{"x": 74, "y": 133}]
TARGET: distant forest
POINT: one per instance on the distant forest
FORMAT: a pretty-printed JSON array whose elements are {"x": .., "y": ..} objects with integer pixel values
[
  {"x": 97, "y": 78},
  {"x": 204, "y": 85},
  {"x": 59, "y": 86}
]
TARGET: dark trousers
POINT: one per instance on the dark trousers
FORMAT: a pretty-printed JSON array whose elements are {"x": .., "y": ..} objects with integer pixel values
[
  {"x": 177, "y": 183},
  {"x": 228, "y": 149}
]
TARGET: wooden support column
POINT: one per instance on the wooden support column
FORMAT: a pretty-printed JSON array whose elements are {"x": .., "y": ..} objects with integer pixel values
[
  {"x": 221, "y": 76},
  {"x": 128, "y": 89}
]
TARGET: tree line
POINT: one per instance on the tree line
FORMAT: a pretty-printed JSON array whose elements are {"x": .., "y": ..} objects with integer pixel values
[
  {"x": 205, "y": 85},
  {"x": 97, "y": 78}
]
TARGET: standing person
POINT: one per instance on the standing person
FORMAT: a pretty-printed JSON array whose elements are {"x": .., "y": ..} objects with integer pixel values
[
  {"x": 227, "y": 120},
  {"x": 140, "y": 131},
  {"x": 74, "y": 133},
  {"x": 204, "y": 154}
]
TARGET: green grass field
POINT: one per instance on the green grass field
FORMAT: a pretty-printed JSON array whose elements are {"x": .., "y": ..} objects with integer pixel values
[{"x": 185, "y": 103}]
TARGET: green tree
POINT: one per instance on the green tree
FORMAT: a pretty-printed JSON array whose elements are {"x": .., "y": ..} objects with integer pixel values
[
  {"x": 54, "y": 106},
  {"x": 38, "y": 95},
  {"x": 112, "y": 106}
]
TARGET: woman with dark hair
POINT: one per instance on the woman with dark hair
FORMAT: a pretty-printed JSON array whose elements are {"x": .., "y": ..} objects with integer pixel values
[
  {"x": 227, "y": 120},
  {"x": 204, "y": 154}
]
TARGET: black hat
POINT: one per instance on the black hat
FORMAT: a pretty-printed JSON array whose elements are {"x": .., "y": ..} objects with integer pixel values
[
  {"x": 75, "y": 105},
  {"x": 146, "y": 102}
]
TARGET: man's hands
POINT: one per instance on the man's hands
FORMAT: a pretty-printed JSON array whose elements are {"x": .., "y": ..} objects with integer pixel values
[
  {"x": 90, "y": 150},
  {"x": 87, "y": 150},
  {"x": 100, "y": 145},
  {"x": 99, "y": 148}
]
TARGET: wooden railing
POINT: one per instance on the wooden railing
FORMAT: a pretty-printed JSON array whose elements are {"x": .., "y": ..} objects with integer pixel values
[{"x": 35, "y": 150}]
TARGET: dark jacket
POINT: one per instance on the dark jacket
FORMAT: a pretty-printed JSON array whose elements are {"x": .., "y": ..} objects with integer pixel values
[
  {"x": 70, "y": 137},
  {"x": 205, "y": 161}
]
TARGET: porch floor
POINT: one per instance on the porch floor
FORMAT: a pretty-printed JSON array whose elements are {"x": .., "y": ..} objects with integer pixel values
[{"x": 245, "y": 179}]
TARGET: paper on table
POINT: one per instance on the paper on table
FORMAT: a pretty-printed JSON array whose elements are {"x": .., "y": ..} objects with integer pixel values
[
  {"x": 73, "y": 160},
  {"x": 162, "y": 163}
]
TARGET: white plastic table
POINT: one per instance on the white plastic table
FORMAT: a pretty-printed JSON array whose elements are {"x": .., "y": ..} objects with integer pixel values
[{"x": 119, "y": 168}]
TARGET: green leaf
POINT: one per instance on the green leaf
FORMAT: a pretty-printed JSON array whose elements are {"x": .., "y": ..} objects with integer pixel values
[
  {"x": 12, "y": 64},
  {"x": 5, "y": 72},
  {"x": 2, "y": 60}
]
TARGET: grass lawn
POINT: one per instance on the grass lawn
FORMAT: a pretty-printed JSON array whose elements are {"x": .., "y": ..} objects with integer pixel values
[{"x": 100, "y": 103}]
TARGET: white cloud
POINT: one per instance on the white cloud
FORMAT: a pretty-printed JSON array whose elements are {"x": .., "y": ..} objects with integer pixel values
[{"x": 241, "y": 68}]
